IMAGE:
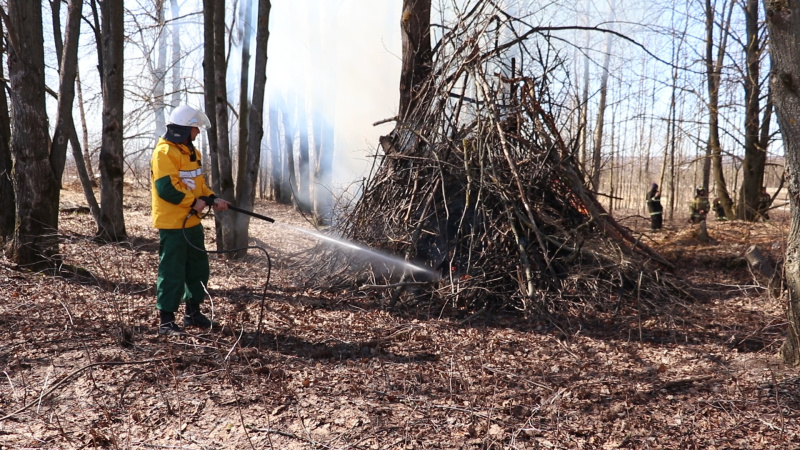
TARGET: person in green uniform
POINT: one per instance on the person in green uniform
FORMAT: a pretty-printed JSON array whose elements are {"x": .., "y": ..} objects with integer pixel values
[
  {"x": 699, "y": 207},
  {"x": 179, "y": 193},
  {"x": 654, "y": 207},
  {"x": 719, "y": 210}
]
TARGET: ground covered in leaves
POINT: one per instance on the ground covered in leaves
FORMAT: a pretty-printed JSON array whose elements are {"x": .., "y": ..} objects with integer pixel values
[{"x": 83, "y": 366}]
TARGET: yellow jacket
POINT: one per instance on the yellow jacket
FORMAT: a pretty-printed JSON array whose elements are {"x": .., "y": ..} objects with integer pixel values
[{"x": 176, "y": 181}]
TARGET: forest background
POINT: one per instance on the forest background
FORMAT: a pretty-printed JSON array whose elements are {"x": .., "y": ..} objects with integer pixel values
[
  {"x": 674, "y": 93},
  {"x": 331, "y": 60}
]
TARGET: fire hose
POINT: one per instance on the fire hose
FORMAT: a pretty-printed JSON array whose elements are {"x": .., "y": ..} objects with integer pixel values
[{"x": 209, "y": 203}]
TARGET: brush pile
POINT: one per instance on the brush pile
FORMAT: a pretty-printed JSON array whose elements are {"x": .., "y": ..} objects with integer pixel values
[{"x": 478, "y": 184}]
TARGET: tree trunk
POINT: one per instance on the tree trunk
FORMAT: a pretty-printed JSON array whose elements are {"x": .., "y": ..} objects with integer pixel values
[
  {"x": 210, "y": 98},
  {"x": 415, "y": 29},
  {"x": 98, "y": 38},
  {"x": 583, "y": 112},
  {"x": 159, "y": 74},
  {"x": 714, "y": 74},
  {"x": 303, "y": 175},
  {"x": 324, "y": 125},
  {"x": 244, "y": 108},
  {"x": 175, "y": 29},
  {"x": 783, "y": 20},
  {"x": 65, "y": 125},
  {"x": 601, "y": 110},
  {"x": 755, "y": 156},
  {"x": 7, "y": 200},
  {"x": 35, "y": 242},
  {"x": 290, "y": 176},
  {"x": 256, "y": 124},
  {"x": 274, "y": 151},
  {"x": 87, "y": 157},
  {"x": 209, "y": 70},
  {"x": 226, "y": 186},
  {"x": 112, "y": 171}
]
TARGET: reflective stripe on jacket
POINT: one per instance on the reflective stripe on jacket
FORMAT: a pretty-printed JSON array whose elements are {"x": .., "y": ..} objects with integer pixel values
[{"x": 176, "y": 181}]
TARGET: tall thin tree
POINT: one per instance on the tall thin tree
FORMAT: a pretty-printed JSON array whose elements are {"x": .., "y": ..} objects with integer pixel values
[
  {"x": 112, "y": 170},
  {"x": 247, "y": 180},
  {"x": 755, "y": 150},
  {"x": 7, "y": 200},
  {"x": 597, "y": 153},
  {"x": 714, "y": 79}
]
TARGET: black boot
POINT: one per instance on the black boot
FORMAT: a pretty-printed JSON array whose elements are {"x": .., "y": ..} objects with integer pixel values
[
  {"x": 194, "y": 317},
  {"x": 168, "y": 326}
]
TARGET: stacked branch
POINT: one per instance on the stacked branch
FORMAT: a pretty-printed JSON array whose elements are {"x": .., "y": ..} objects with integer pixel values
[{"x": 478, "y": 184}]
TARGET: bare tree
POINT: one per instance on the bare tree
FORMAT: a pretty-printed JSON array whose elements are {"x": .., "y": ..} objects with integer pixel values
[
  {"x": 755, "y": 150},
  {"x": 713, "y": 78},
  {"x": 7, "y": 199},
  {"x": 303, "y": 153},
  {"x": 601, "y": 109},
  {"x": 324, "y": 120},
  {"x": 67, "y": 55},
  {"x": 289, "y": 110},
  {"x": 112, "y": 170},
  {"x": 177, "y": 92},
  {"x": 275, "y": 153},
  {"x": 38, "y": 160},
  {"x": 247, "y": 180},
  {"x": 209, "y": 82},
  {"x": 415, "y": 28},
  {"x": 159, "y": 71},
  {"x": 244, "y": 100},
  {"x": 221, "y": 162},
  {"x": 783, "y": 21}
]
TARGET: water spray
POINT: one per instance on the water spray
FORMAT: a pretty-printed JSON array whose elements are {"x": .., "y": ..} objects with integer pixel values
[
  {"x": 373, "y": 254},
  {"x": 341, "y": 242}
]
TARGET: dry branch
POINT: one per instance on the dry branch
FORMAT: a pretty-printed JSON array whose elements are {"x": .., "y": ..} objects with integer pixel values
[{"x": 478, "y": 184}]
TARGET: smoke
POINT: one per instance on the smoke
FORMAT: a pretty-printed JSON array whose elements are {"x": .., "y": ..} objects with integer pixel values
[{"x": 340, "y": 59}]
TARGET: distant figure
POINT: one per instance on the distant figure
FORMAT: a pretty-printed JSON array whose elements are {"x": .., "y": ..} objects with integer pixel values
[
  {"x": 719, "y": 210},
  {"x": 700, "y": 206},
  {"x": 763, "y": 203},
  {"x": 654, "y": 207}
]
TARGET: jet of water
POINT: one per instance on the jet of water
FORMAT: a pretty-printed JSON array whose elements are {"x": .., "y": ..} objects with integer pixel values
[{"x": 373, "y": 254}]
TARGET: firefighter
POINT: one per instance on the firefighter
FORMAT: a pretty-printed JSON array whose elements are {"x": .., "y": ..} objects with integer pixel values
[
  {"x": 654, "y": 207},
  {"x": 178, "y": 190},
  {"x": 719, "y": 210},
  {"x": 699, "y": 207}
]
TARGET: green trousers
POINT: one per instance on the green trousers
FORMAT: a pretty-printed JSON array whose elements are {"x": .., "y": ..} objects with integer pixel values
[{"x": 182, "y": 270}]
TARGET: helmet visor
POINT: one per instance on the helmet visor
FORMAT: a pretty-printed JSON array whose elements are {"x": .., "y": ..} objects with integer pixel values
[{"x": 200, "y": 120}]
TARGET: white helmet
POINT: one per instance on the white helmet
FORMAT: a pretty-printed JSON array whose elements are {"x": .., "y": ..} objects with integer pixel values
[{"x": 189, "y": 117}]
